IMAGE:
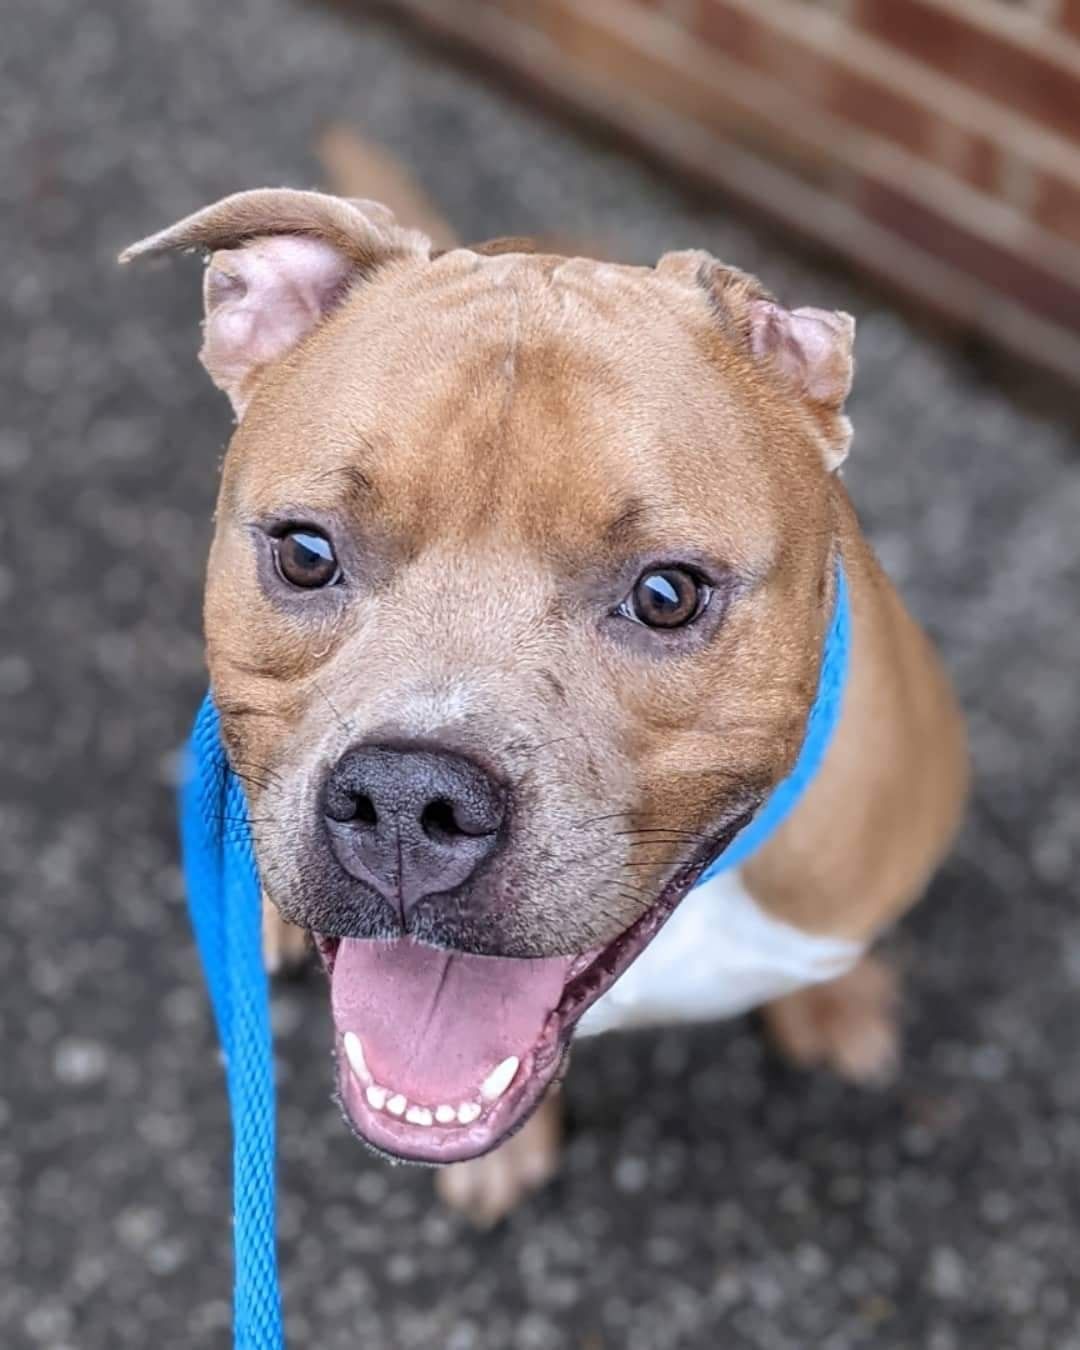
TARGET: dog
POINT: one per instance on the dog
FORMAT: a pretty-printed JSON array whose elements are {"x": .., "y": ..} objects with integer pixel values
[{"x": 523, "y": 571}]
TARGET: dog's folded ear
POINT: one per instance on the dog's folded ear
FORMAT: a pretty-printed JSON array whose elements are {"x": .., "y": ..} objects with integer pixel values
[
  {"x": 810, "y": 350},
  {"x": 807, "y": 351},
  {"x": 280, "y": 262}
]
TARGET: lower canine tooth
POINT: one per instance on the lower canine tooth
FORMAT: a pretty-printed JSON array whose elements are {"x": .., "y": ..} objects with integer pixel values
[
  {"x": 418, "y": 1115},
  {"x": 355, "y": 1052},
  {"x": 467, "y": 1112},
  {"x": 376, "y": 1096},
  {"x": 499, "y": 1079},
  {"x": 445, "y": 1114},
  {"x": 396, "y": 1105}
]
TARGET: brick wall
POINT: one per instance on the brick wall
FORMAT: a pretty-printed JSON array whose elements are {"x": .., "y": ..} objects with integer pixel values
[{"x": 935, "y": 143}]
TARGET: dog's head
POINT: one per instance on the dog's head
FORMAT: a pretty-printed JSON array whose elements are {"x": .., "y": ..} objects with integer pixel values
[{"x": 515, "y": 611}]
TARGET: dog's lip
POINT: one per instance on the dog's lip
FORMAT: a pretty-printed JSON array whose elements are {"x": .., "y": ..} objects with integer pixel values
[
  {"x": 436, "y": 1144},
  {"x": 589, "y": 976}
]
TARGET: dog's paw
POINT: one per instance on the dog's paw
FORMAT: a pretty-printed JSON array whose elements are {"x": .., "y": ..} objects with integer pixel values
[
  {"x": 285, "y": 947},
  {"x": 850, "y": 1025},
  {"x": 486, "y": 1189}
]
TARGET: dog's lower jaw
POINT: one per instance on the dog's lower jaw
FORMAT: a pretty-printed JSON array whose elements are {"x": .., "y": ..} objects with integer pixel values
[{"x": 487, "y": 1189}]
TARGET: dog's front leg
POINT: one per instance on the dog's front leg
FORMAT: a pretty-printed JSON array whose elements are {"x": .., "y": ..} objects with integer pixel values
[
  {"x": 486, "y": 1189},
  {"x": 849, "y": 1025},
  {"x": 285, "y": 947}
]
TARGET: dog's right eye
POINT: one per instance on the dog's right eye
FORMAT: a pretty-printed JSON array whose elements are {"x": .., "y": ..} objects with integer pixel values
[
  {"x": 306, "y": 558},
  {"x": 666, "y": 598}
]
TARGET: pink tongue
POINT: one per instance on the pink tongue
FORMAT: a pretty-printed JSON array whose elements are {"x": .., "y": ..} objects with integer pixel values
[{"x": 435, "y": 1023}]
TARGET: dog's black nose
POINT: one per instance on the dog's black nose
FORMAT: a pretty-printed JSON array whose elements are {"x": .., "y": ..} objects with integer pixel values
[{"x": 411, "y": 822}]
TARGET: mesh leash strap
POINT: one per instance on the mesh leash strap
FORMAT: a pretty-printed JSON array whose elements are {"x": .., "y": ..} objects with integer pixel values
[{"x": 224, "y": 899}]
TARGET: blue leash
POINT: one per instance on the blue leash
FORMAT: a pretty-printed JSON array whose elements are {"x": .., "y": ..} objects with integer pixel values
[{"x": 224, "y": 900}]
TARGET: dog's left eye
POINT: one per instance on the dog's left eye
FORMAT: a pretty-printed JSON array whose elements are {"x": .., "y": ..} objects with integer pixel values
[
  {"x": 306, "y": 558},
  {"x": 666, "y": 597}
]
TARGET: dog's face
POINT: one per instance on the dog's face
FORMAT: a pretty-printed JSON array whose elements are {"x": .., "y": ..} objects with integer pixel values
[{"x": 514, "y": 615}]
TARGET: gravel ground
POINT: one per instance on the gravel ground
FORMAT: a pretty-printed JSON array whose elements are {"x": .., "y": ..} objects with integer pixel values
[{"x": 710, "y": 1196}]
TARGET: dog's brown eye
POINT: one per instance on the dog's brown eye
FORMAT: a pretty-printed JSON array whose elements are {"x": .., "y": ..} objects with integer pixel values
[
  {"x": 306, "y": 558},
  {"x": 669, "y": 597}
]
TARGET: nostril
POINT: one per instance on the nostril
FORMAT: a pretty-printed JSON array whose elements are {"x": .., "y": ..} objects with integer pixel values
[
  {"x": 351, "y": 808},
  {"x": 364, "y": 812},
  {"x": 439, "y": 821}
]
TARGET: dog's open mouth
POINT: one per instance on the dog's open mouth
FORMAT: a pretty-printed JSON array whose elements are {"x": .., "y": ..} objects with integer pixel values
[{"x": 440, "y": 1053}]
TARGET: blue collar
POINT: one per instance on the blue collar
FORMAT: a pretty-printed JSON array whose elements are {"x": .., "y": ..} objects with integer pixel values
[
  {"x": 820, "y": 725},
  {"x": 224, "y": 899}
]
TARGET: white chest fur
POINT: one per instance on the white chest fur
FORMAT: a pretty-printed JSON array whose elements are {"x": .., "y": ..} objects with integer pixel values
[{"x": 718, "y": 955}]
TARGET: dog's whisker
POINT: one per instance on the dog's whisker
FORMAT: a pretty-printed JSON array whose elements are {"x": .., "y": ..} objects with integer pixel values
[
  {"x": 634, "y": 898},
  {"x": 707, "y": 772},
  {"x": 597, "y": 820},
  {"x": 533, "y": 747},
  {"x": 343, "y": 722},
  {"x": 659, "y": 829},
  {"x": 250, "y": 764},
  {"x": 680, "y": 839},
  {"x": 640, "y": 891},
  {"x": 227, "y": 709}
]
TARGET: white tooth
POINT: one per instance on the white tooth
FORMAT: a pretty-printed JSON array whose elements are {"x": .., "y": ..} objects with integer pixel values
[
  {"x": 396, "y": 1105},
  {"x": 445, "y": 1114},
  {"x": 467, "y": 1112},
  {"x": 355, "y": 1052},
  {"x": 499, "y": 1079},
  {"x": 376, "y": 1096},
  {"x": 418, "y": 1115}
]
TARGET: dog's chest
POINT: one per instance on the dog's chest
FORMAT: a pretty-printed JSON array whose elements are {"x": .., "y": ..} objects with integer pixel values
[{"x": 719, "y": 954}]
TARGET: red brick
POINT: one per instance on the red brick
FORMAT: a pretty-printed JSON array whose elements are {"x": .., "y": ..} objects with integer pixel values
[
  {"x": 1020, "y": 278},
  {"x": 734, "y": 30},
  {"x": 985, "y": 60},
  {"x": 594, "y": 51},
  {"x": 874, "y": 105},
  {"x": 1057, "y": 206},
  {"x": 976, "y": 159},
  {"x": 1070, "y": 16}
]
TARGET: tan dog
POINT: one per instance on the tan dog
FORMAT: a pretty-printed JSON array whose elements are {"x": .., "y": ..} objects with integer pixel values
[{"x": 515, "y": 611}]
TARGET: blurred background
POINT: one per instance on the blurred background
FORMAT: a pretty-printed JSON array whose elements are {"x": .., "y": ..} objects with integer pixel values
[{"x": 916, "y": 162}]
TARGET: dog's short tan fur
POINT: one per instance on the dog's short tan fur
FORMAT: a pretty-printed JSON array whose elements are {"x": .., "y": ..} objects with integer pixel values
[{"x": 500, "y": 433}]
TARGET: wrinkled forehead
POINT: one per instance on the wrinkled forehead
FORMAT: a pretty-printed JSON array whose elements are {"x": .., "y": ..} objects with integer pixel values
[{"x": 544, "y": 400}]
